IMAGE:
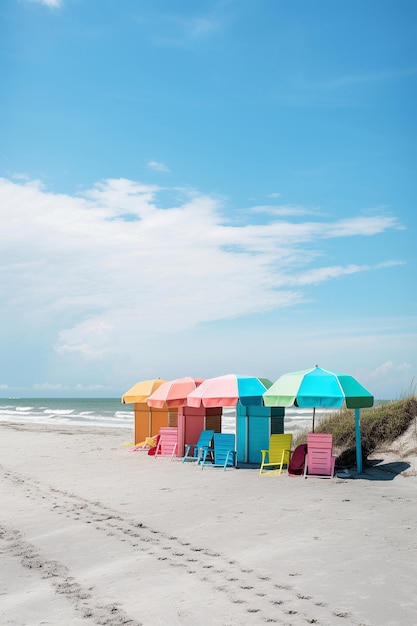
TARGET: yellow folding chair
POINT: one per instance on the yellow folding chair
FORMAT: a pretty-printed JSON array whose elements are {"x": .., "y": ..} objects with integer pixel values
[{"x": 278, "y": 455}]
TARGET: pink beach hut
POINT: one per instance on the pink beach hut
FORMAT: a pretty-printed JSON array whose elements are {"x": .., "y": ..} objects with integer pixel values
[{"x": 191, "y": 421}]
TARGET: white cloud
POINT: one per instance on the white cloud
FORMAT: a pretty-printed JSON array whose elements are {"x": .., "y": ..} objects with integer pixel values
[
  {"x": 176, "y": 30},
  {"x": 281, "y": 210},
  {"x": 108, "y": 269},
  {"x": 391, "y": 375},
  {"x": 382, "y": 369},
  {"x": 361, "y": 225},
  {"x": 319, "y": 275},
  {"x": 158, "y": 166},
  {"x": 54, "y": 4},
  {"x": 49, "y": 387},
  {"x": 90, "y": 339},
  {"x": 393, "y": 263},
  {"x": 389, "y": 368}
]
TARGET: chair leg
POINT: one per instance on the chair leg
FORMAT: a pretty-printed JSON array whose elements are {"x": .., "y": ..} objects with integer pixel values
[
  {"x": 203, "y": 459},
  {"x": 186, "y": 453},
  {"x": 263, "y": 452},
  {"x": 282, "y": 462}
]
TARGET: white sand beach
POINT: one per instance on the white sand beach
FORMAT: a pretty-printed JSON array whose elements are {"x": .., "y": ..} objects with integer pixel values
[{"x": 91, "y": 533}]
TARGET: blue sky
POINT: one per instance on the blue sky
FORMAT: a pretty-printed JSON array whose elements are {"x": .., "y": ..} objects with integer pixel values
[{"x": 203, "y": 188}]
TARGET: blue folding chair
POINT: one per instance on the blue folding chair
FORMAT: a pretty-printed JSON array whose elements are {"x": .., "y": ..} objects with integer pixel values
[
  {"x": 224, "y": 451},
  {"x": 195, "y": 451}
]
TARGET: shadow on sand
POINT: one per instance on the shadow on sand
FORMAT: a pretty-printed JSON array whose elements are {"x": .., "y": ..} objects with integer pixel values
[{"x": 376, "y": 469}]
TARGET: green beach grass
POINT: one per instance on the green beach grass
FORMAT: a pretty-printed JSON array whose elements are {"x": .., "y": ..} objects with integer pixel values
[{"x": 381, "y": 425}]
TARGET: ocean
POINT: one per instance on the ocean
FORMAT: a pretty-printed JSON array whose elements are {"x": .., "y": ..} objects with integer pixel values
[
  {"x": 100, "y": 412},
  {"x": 110, "y": 412}
]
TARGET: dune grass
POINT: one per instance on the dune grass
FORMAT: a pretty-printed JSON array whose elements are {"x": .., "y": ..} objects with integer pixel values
[{"x": 380, "y": 426}]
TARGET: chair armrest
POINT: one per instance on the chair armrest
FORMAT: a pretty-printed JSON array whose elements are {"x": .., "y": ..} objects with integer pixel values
[{"x": 231, "y": 453}]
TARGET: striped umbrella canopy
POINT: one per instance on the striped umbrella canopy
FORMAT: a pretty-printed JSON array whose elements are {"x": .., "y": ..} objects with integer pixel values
[
  {"x": 318, "y": 387},
  {"x": 173, "y": 393},
  {"x": 228, "y": 390}
]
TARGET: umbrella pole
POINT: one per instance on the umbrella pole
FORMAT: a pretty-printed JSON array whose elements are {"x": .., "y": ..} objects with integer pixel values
[
  {"x": 358, "y": 441},
  {"x": 314, "y": 414}
]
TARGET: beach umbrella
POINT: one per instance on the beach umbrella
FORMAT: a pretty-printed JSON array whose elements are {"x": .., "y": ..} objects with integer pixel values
[
  {"x": 317, "y": 387},
  {"x": 173, "y": 393},
  {"x": 228, "y": 390},
  {"x": 140, "y": 392}
]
